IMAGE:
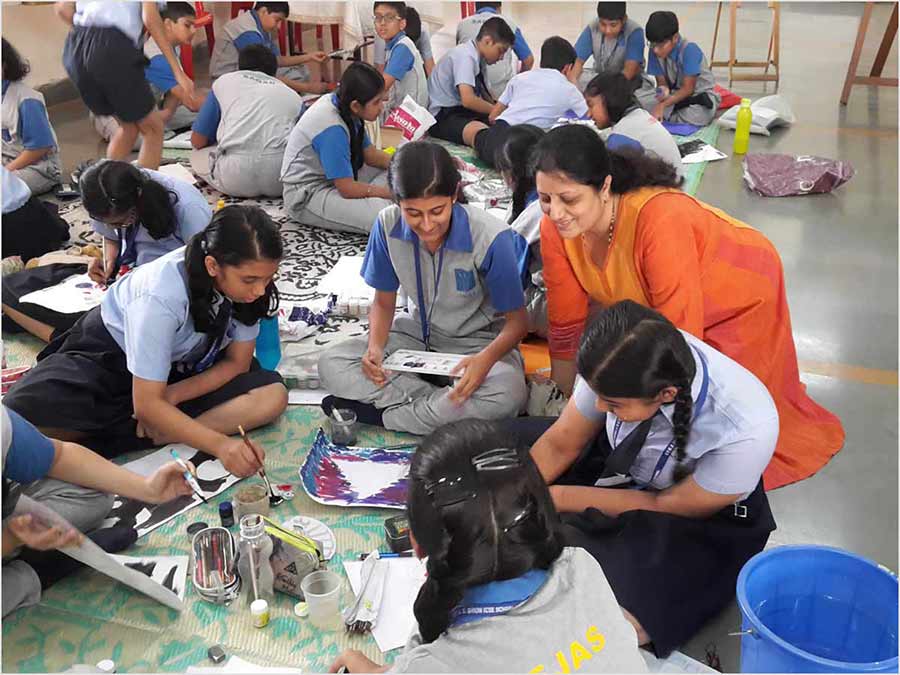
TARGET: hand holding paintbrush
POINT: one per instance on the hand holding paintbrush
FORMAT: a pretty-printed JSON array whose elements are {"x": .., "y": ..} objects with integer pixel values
[{"x": 274, "y": 500}]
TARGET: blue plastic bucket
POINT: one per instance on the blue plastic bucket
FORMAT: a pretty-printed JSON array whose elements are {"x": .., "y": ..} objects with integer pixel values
[{"x": 815, "y": 609}]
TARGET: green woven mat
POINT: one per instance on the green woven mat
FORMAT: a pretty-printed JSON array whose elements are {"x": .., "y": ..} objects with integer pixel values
[
  {"x": 694, "y": 172},
  {"x": 88, "y": 617}
]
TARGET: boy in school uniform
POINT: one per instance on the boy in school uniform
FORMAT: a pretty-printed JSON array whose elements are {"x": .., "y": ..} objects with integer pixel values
[
  {"x": 683, "y": 73},
  {"x": 418, "y": 34},
  {"x": 256, "y": 27},
  {"x": 496, "y": 75},
  {"x": 617, "y": 45},
  {"x": 453, "y": 88},
  {"x": 404, "y": 70},
  {"x": 539, "y": 97},
  {"x": 250, "y": 114},
  {"x": 104, "y": 60},
  {"x": 30, "y": 148}
]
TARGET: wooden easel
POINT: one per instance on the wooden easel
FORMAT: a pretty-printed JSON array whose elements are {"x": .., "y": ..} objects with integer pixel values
[
  {"x": 890, "y": 32},
  {"x": 772, "y": 56}
]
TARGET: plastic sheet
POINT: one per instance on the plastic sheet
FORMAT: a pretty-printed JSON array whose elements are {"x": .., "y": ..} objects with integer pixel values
[{"x": 786, "y": 175}]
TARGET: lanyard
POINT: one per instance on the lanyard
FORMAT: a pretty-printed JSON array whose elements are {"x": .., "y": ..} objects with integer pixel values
[
  {"x": 677, "y": 57},
  {"x": 664, "y": 457},
  {"x": 127, "y": 250},
  {"x": 497, "y": 597},
  {"x": 424, "y": 312},
  {"x": 604, "y": 67}
]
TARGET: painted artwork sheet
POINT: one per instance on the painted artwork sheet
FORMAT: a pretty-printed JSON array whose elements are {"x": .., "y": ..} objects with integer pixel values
[
  {"x": 76, "y": 294},
  {"x": 169, "y": 571},
  {"x": 356, "y": 476},
  {"x": 212, "y": 477},
  {"x": 427, "y": 363}
]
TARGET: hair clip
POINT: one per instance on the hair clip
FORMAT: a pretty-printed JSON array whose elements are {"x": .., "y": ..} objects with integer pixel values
[
  {"x": 448, "y": 491},
  {"x": 520, "y": 516},
  {"x": 498, "y": 459}
]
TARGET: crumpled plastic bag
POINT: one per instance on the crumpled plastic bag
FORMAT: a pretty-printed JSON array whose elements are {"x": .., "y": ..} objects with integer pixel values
[
  {"x": 774, "y": 175},
  {"x": 411, "y": 119}
]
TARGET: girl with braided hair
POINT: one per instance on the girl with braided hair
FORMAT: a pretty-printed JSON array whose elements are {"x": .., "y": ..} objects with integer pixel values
[
  {"x": 689, "y": 431},
  {"x": 167, "y": 357},
  {"x": 502, "y": 593}
]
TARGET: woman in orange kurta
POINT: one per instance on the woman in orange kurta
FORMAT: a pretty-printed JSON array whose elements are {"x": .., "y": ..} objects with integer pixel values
[{"x": 615, "y": 228}]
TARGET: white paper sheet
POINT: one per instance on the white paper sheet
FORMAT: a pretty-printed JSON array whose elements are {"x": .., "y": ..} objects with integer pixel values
[
  {"x": 169, "y": 571},
  {"x": 76, "y": 294},
  {"x": 413, "y": 361},
  {"x": 238, "y": 665},
  {"x": 675, "y": 663},
  {"x": 369, "y": 478},
  {"x": 345, "y": 279},
  {"x": 396, "y": 620},
  {"x": 306, "y": 396},
  {"x": 177, "y": 170},
  {"x": 93, "y": 556},
  {"x": 180, "y": 142}
]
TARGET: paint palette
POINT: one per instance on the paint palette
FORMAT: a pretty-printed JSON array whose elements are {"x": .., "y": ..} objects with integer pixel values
[
  {"x": 314, "y": 529},
  {"x": 356, "y": 476}
]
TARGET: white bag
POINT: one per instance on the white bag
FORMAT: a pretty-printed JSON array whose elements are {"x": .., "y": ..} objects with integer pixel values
[
  {"x": 768, "y": 112},
  {"x": 411, "y": 119}
]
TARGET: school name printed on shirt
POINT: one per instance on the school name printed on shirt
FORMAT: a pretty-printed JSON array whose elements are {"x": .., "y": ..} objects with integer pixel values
[{"x": 570, "y": 658}]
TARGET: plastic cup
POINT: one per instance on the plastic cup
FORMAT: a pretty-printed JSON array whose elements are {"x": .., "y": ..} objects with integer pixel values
[
  {"x": 343, "y": 430},
  {"x": 323, "y": 591}
]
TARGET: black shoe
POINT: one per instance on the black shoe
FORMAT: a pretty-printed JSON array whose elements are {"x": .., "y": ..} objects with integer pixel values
[{"x": 366, "y": 413}]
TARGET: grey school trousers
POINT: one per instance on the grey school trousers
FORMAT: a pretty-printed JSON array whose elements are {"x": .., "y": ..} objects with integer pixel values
[
  {"x": 413, "y": 404},
  {"x": 240, "y": 174},
  {"x": 326, "y": 208},
  {"x": 84, "y": 508}
]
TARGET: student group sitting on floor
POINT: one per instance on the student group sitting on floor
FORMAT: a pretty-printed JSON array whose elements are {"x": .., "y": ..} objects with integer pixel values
[{"x": 665, "y": 318}]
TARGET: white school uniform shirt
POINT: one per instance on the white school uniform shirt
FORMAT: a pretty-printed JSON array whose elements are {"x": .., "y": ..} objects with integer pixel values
[
  {"x": 641, "y": 126},
  {"x": 732, "y": 436},
  {"x": 192, "y": 215},
  {"x": 14, "y": 192},
  {"x": 460, "y": 65},
  {"x": 147, "y": 313},
  {"x": 124, "y": 15},
  {"x": 540, "y": 97}
]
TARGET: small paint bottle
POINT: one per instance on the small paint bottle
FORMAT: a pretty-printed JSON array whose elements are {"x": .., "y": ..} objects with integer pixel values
[
  {"x": 226, "y": 514},
  {"x": 259, "y": 610}
]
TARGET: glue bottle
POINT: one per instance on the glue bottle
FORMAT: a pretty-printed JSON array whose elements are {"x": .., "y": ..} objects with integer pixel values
[
  {"x": 254, "y": 564},
  {"x": 742, "y": 131}
]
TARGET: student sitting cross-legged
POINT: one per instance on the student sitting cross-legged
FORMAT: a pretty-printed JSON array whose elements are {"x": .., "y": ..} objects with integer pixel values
[
  {"x": 333, "y": 176},
  {"x": 242, "y": 130},
  {"x": 455, "y": 88},
  {"x": 538, "y": 97},
  {"x": 256, "y": 27},
  {"x": 458, "y": 266},
  {"x": 503, "y": 593},
  {"x": 168, "y": 355},
  {"x": 682, "y": 72},
  {"x": 30, "y": 148}
]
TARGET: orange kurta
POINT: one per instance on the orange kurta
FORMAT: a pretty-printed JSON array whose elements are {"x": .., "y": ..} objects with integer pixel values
[{"x": 711, "y": 275}]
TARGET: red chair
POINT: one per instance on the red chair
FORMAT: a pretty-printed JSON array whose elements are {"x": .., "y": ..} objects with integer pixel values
[
  {"x": 467, "y": 9},
  {"x": 204, "y": 20}
]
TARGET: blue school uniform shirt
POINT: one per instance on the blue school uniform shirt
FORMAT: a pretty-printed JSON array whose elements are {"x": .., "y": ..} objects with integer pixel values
[
  {"x": 732, "y": 438},
  {"x": 27, "y": 454},
  {"x": 460, "y": 65},
  {"x": 14, "y": 191},
  {"x": 126, "y": 16},
  {"x": 147, "y": 313},
  {"x": 33, "y": 129},
  {"x": 159, "y": 72},
  {"x": 540, "y": 96},
  {"x": 192, "y": 215},
  {"x": 256, "y": 37},
  {"x": 519, "y": 46},
  {"x": 690, "y": 63},
  {"x": 634, "y": 45},
  {"x": 465, "y": 287},
  {"x": 401, "y": 60}
]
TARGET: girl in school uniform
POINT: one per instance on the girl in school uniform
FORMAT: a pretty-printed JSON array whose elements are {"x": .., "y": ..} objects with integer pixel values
[
  {"x": 656, "y": 465},
  {"x": 168, "y": 355},
  {"x": 457, "y": 265},
  {"x": 512, "y": 161},
  {"x": 333, "y": 176},
  {"x": 30, "y": 148},
  {"x": 140, "y": 213},
  {"x": 503, "y": 594}
]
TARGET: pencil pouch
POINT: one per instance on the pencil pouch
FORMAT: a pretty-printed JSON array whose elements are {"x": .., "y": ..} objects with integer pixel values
[
  {"x": 293, "y": 557},
  {"x": 213, "y": 565}
]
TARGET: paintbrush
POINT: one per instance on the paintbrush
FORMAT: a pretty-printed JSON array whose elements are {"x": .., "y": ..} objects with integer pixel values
[
  {"x": 188, "y": 476},
  {"x": 274, "y": 500}
]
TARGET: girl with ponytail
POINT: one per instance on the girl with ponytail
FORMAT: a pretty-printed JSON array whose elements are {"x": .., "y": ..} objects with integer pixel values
[
  {"x": 168, "y": 355},
  {"x": 333, "y": 176},
  {"x": 690, "y": 432},
  {"x": 140, "y": 214},
  {"x": 502, "y": 593}
]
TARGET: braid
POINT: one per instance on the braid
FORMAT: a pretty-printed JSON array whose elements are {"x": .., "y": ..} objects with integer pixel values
[
  {"x": 357, "y": 133},
  {"x": 681, "y": 418},
  {"x": 443, "y": 589},
  {"x": 200, "y": 284}
]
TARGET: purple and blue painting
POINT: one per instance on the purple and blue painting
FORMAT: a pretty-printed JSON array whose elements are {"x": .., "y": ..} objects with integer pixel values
[{"x": 355, "y": 476}]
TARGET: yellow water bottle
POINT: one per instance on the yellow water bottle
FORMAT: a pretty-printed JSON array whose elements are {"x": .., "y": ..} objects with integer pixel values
[
  {"x": 742, "y": 131},
  {"x": 220, "y": 204}
]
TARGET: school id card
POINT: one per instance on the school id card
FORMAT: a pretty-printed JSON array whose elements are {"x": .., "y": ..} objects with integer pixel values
[{"x": 427, "y": 363}]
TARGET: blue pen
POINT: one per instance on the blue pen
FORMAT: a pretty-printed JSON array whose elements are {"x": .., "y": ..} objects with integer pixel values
[
  {"x": 402, "y": 554},
  {"x": 188, "y": 476}
]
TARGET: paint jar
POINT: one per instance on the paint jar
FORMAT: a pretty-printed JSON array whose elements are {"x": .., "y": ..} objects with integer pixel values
[
  {"x": 226, "y": 514},
  {"x": 323, "y": 591},
  {"x": 214, "y": 555},
  {"x": 251, "y": 499},
  {"x": 259, "y": 610},
  {"x": 343, "y": 426}
]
